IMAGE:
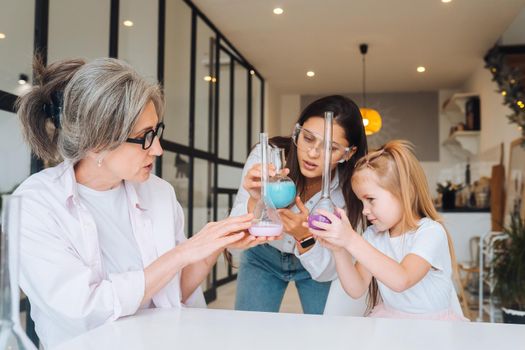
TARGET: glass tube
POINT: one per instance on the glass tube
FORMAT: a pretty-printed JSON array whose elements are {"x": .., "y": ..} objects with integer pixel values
[
  {"x": 11, "y": 334},
  {"x": 281, "y": 189},
  {"x": 325, "y": 202},
  {"x": 266, "y": 220}
]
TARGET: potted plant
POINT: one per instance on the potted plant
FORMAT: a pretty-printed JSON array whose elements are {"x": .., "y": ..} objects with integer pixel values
[
  {"x": 448, "y": 193},
  {"x": 509, "y": 271}
]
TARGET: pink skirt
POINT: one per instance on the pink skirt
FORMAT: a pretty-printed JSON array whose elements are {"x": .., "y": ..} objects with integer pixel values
[{"x": 382, "y": 311}]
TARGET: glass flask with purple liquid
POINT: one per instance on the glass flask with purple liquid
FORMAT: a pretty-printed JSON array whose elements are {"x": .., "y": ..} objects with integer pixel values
[
  {"x": 266, "y": 220},
  {"x": 325, "y": 203}
]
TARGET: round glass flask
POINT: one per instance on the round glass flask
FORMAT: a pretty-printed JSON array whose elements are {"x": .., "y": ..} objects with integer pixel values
[
  {"x": 281, "y": 189},
  {"x": 266, "y": 220},
  {"x": 325, "y": 203}
]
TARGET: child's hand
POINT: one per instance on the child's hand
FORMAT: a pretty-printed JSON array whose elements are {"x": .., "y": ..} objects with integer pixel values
[{"x": 336, "y": 235}]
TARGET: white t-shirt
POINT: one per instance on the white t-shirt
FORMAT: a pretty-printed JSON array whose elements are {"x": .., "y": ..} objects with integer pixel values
[
  {"x": 435, "y": 292},
  {"x": 119, "y": 249}
]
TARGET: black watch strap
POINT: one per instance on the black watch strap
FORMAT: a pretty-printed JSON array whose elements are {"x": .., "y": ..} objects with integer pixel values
[{"x": 307, "y": 242}]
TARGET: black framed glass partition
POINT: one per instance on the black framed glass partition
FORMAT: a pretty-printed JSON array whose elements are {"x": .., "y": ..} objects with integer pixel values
[
  {"x": 211, "y": 95},
  {"x": 214, "y": 96}
]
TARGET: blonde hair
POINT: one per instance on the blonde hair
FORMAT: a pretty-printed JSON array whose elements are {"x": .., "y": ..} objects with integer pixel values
[
  {"x": 102, "y": 101},
  {"x": 400, "y": 173}
]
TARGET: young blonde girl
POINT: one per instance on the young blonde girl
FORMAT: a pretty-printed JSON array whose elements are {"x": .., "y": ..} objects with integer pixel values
[{"x": 405, "y": 257}]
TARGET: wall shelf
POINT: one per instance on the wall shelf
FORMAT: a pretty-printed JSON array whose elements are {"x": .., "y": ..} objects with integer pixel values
[
  {"x": 463, "y": 144},
  {"x": 454, "y": 107}
]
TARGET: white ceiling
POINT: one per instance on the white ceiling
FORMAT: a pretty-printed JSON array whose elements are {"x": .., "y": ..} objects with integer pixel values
[{"x": 449, "y": 39}]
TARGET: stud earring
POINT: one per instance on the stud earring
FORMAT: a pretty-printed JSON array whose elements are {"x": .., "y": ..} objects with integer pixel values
[{"x": 99, "y": 162}]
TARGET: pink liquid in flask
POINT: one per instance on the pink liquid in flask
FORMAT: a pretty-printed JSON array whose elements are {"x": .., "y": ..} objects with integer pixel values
[{"x": 266, "y": 229}]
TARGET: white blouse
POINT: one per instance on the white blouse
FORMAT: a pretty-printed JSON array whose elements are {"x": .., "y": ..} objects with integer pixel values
[{"x": 61, "y": 264}]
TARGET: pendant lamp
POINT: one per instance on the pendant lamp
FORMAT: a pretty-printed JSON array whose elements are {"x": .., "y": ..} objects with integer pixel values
[{"x": 371, "y": 118}]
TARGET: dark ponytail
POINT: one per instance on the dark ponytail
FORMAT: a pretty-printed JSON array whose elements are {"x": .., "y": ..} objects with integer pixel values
[{"x": 35, "y": 109}]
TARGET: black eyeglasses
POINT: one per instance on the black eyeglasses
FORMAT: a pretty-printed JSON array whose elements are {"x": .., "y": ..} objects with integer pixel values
[{"x": 149, "y": 136}]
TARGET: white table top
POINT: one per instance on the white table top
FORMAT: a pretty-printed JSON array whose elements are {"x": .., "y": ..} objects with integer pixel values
[{"x": 225, "y": 329}]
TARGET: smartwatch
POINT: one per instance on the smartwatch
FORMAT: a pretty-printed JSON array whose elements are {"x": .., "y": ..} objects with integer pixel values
[{"x": 306, "y": 242}]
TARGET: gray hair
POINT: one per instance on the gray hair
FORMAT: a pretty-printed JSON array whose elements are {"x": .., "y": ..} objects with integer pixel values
[{"x": 102, "y": 101}]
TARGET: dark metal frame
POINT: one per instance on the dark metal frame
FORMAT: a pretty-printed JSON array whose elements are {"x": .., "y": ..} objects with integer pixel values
[
  {"x": 211, "y": 155},
  {"x": 114, "y": 12}
]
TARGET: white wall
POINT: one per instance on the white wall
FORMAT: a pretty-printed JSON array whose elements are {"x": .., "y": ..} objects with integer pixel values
[
  {"x": 515, "y": 33},
  {"x": 14, "y": 153},
  {"x": 290, "y": 109},
  {"x": 272, "y": 110},
  {"x": 78, "y": 29},
  {"x": 495, "y": 127}
]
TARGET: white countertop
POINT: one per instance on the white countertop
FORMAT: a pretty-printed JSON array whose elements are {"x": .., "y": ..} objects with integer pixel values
[{"x": 225, "y": 329}]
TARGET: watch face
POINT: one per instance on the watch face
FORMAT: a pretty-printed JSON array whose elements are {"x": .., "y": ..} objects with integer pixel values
[{"x": 305, "y": 243}]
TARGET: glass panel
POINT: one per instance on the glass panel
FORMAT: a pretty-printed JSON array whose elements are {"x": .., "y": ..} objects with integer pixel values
[
  {"x": 177, "y": 72},
  {"x": 137, "y": 44},
  {"x": 15, "y": 156},
  {"x": 256, "y": 109},
  {"x": 16, "y": 48},
  {"x": 72, "y": 32},
  {"x": 204, "y": 81},
  {"x": 230, "y": 50},
  {"x": 223, "y": 207},
  {"x": 175, "y": 170},
  {"x": 224, "y": 106},
  {"x": 202, "y": 194},
  {"x": 222, "y": 213},
  {"x": 240, "y": 140},
  {"x": 229, "y": 177}
]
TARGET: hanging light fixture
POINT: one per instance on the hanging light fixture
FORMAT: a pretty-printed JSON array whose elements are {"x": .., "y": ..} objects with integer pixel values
[{"x": 371, "y": 118}]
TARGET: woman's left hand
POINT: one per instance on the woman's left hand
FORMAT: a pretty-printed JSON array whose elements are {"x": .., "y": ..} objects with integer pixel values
[
  {"x": 293, "y": 222},
  {"x": 336, "y": 235}
]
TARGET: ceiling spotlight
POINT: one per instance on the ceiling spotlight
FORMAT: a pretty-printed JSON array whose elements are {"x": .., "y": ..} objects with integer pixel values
[
  {"x": 2, "y": 36},
  {"x": 278, "y": 11},
  {"x": 446, "y": 1},
  {"x": 22, "y": 79},
  {"x": 310, "y": 73},
  {"x": 207, "y": 78},
  {"x": 128, "y": 23},
  {"x": 421, "y": 69}
]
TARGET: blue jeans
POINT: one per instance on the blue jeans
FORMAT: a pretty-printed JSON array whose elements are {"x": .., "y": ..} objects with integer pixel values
[{"x": 263, "y": 276}]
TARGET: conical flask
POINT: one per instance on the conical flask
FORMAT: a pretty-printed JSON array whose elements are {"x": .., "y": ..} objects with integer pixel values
[
  {"x": 11, "y": 334},
  {"x": 281, "y": 189},
  {"x": 325, "y": 203},
  {"x": 266, "y": 220}
]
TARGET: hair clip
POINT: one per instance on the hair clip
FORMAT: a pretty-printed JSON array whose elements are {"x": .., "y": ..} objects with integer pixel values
[{"x": 53, "y": 110}]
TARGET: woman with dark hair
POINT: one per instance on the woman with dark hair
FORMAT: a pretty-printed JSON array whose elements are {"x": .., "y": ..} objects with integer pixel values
[{"x": 265, "y": 270}]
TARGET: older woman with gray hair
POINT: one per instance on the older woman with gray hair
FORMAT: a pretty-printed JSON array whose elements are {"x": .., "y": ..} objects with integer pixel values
[{"x": 101, "y": 237}]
